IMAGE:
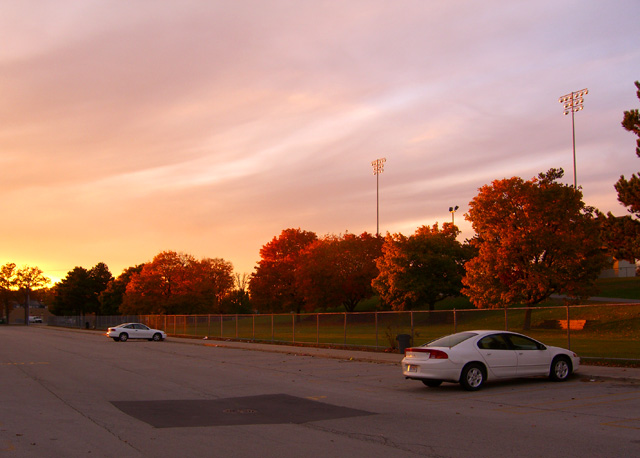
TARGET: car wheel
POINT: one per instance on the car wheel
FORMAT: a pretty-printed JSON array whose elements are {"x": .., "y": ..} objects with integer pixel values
[
  {"x": 123, "y": 337},
  {"x": 472, "y": 377},
  {"x": 117, "y": 339},
  {"x": 432, "y": 383},
  {"x": 560, "y": 369},
  {"x": 157, "y": 337}
]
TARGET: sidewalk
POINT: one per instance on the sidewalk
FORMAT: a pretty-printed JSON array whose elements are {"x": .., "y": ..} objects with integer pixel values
[{"x": 586, "y": 372}]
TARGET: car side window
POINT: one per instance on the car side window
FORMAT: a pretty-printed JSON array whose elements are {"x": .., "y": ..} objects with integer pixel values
[
  {"x": 129, "y": 326},
  {"x": 493, "y": 342},
  {"x": 523, "y": 343}
]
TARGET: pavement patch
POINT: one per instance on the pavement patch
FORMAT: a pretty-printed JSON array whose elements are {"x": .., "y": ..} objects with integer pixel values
[{"x": 246, "y": 410}]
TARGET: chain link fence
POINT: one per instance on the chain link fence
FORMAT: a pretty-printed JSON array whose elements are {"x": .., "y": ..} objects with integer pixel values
[{"x": 604, "y": 331}]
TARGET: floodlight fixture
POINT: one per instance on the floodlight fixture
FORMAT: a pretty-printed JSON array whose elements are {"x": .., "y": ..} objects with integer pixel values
[
  {"x": 573, "y": 103},
  {"x": 378, "y": 168},
  {"x": 453, "y": 210}
]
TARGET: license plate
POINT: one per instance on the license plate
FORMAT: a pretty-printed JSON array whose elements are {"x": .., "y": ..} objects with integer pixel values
[{"x": 411, "y": 368}]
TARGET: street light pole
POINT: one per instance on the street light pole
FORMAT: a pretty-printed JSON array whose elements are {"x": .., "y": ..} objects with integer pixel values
[
  {"x": 572, "y": 103},
  {"x": 378, "y": 168},
  {"x": 452, "y": 210}
]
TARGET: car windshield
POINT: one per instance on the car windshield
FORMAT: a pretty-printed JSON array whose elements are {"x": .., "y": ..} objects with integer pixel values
[{"x": 451, "y": 340}]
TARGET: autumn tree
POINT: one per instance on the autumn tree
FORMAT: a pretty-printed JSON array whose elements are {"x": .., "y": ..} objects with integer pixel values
[
  {"x": 112, "y": 297},
  {"x": 79, "y": 292},
  {"x": 215, "y": 281},
  {"x": 622, "y": 234},
  {"x": 421, "y": 269},
  {"x": 272, "y": 285},
  {"x": 7, "y": 285},
  {"x": 535, "y": 238},
  {"x": 177, "y": 283},
  {"x": 27, "y": 280},
  {"x": 338, "y": 270}
]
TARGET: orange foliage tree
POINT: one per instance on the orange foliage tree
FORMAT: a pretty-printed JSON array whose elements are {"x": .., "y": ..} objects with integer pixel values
[
  {"x": 338, "y": 270},
  {"x": 421, "y": 269},
  {"x": 178, "y": 283},
  {"x": 272, "y": 285},
  {"x": 535, "y": 238}
]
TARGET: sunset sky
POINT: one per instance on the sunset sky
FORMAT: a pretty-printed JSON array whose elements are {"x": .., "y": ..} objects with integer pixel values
[{"x": 128, "y": 128}]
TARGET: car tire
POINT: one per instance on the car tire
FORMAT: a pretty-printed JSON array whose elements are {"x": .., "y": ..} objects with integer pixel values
[
  {"x": 472, "y": 377},
  {"x": 432, "y": 383},
  {"x": 124, "y": 337},
  {"x": 157, "y": 337},
  {"x": 560, "y": 369},
  {"x": 117, "y": 339}
]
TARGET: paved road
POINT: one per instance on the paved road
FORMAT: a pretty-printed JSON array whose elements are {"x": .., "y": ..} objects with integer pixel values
[{"x": 68, "y": 393}]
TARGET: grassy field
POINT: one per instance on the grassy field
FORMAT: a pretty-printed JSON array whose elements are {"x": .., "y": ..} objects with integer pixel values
[{"x": 609, "y": 332}]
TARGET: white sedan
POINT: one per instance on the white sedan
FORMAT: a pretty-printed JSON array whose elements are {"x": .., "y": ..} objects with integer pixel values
[
  {"x": 126, "y": 331},
  {"x": 473, "y": 357}
]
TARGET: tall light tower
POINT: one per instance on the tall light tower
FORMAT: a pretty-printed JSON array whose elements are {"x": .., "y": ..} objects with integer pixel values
[
  {"x": 572, "y": 103},
  {"x": 378, "y": 168},
  {"x": 453, "y": 210}
]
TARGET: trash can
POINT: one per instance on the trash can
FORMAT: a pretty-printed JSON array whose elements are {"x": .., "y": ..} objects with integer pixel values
[{"x": 404, "y": 342}]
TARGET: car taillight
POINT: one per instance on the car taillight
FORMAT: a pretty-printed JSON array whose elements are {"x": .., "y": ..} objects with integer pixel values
[{"x": 433, "y": 354}]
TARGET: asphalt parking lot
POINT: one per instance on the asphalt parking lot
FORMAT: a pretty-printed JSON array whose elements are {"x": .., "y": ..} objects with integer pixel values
[{"x": 75, "y": 393}]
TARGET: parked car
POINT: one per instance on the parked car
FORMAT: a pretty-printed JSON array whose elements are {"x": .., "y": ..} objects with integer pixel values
[
  {"x": 126, "y": 331},
  {"x": 473, "y": 357},
  {"x": 35, "y": 319}
]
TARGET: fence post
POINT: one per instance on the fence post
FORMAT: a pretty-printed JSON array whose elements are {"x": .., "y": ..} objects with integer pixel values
[
  {"x": 253, "y": 334},
  {"x": 455, "y": 323},
  {"x": 345, "y": 328},
  {"x": 317, "y": 328},
  {"x": 237, "y": 326},
  {"x": 208, "y": 325},
  {"x": 220, "y": 326},
  {"x": 272, "y": 332},
  {"x": 411, "y": 315},
  {"x": 506, "y": 321},
  {"x": 568, "y": 329},
  {"x": 293, "y": 327},
  {"x": 376, "y": 315}
]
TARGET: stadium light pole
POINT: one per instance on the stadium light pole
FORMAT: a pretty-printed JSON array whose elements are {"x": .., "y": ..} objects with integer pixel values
[
  {"x": 378, "y": 168},
  {"x": 572, "y": 103},
  {"x": 452, "y": 210}
]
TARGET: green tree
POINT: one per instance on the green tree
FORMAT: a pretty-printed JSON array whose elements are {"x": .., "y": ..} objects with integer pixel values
[
  {"x": 79, "y": 292},
  {"x": 7, "y": 285},
  {"x": 272, "y": 285},
  {"x": 338, "y": 270},
  {"x": 421, "y": 269},
  {"x": 27, "y": 280},
  {"x": 622, "y": 234},
  {"x": 535, "y": 238}
]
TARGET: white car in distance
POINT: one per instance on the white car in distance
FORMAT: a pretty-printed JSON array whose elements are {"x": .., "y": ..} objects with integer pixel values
[
  {"x": 126, "y": 331},
  {"x": 473, "y": 357}
]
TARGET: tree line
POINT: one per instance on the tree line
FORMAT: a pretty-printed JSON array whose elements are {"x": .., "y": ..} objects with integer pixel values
[{"x": 533, "y": 238}]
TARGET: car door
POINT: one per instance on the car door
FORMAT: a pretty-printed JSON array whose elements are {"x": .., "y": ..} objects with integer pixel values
[
  {"x": 501, "y": 359},
  {"x": 142, "y": 332},
  {"x": 533, "y": 357}
]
